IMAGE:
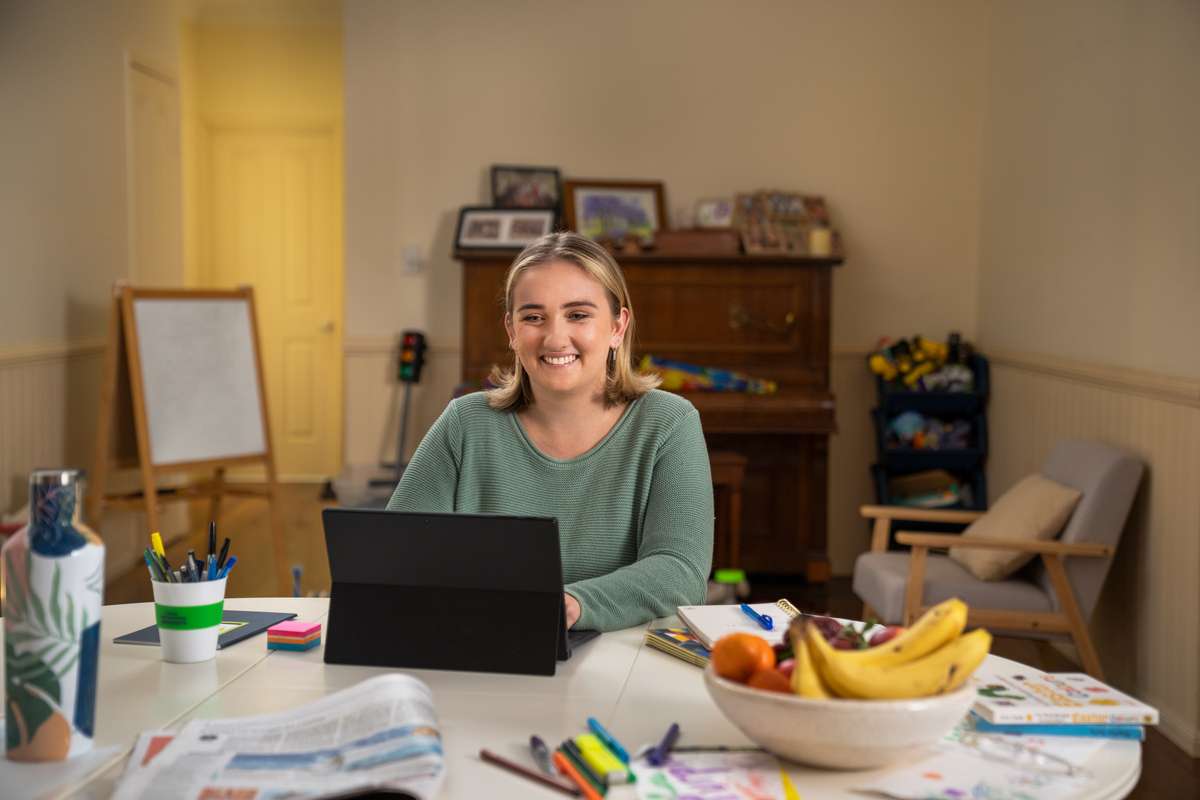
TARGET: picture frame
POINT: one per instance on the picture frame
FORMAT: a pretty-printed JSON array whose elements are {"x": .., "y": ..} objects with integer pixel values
[
  {"x": 602, "y": 209},
  {"x": 491, "y": 228},
  {"x": 714, "y": 212},
  {"x": 518, "y": 186}
]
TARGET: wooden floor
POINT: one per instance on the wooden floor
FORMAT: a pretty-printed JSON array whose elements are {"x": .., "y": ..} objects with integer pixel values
[{"x": 1167, "y": 772}]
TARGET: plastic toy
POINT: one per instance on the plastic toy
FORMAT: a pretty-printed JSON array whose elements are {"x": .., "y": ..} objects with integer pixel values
[{"x": 678, "y": 376}]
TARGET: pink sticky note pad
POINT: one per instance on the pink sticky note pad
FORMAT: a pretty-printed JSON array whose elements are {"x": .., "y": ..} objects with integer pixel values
[{"x": 294, "y": 627}]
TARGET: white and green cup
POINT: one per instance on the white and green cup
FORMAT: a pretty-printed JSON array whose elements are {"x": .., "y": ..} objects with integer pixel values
[{"x": 188, "y": 616}]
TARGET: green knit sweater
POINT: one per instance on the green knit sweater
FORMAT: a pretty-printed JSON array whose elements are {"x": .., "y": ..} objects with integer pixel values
[{"x": 635, "y": 513}]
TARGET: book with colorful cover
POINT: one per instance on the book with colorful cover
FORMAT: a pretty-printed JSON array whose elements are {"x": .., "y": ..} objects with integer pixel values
[
  {"x": 679, "y": 643},
  {"x": 1135, "y": 732},
  {"x": 1061, "y": 698}
]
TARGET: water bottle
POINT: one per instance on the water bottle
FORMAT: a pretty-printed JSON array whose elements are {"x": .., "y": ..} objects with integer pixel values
[{"x": 53, "y": 592}]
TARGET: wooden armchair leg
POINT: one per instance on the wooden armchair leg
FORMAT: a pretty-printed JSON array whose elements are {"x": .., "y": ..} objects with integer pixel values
[
  {"x": 1079, "y": 628},
  {"x": 916, "y": 584}
]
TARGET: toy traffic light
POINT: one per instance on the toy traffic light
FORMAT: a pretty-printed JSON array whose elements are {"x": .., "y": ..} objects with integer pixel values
[{"x": 412, "y": 356}]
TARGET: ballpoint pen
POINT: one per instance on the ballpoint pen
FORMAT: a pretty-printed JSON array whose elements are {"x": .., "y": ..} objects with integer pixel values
[
  {"x": 212, "y": 538},
  {"x": 228, "y": 567},
  {"x": 223, "y": 555},
  {"x": 762, "y": 619}
]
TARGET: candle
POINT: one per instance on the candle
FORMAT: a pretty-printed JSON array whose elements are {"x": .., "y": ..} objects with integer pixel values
[{"x": 820, "y": 242}]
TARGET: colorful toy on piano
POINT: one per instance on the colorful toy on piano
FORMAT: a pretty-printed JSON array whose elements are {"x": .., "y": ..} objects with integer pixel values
[{"x": 678, "y": 376}]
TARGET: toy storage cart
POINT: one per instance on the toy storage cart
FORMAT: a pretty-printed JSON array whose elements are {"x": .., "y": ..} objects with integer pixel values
[{"x": 966, "y": 465}]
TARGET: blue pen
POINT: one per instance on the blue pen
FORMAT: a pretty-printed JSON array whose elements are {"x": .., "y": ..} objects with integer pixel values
[
  {"x": 607, "y": 738},
  {"x": 155, "y": 573},
  {"x": 762, "y": 619},
  {"x": 658, "y": 756},
  {"x": 228, "y": 567},
  {"x": 212, "y": 567}
]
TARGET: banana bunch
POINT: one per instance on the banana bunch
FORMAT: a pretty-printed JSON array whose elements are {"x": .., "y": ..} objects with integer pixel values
[{"x": 932, "y": 657}]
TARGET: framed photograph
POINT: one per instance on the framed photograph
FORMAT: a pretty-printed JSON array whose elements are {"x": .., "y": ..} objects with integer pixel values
[
  {"x": 614, "y": 209},
  {"x": 714, "y": 213},
  {"x": 486, "y": 228},
  {"x": 525, "y": 187}
]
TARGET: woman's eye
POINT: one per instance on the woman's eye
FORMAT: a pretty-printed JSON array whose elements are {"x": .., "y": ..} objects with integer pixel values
[
  {"x": 532, "y": 318},
  {"x": 578, "y": 315}
]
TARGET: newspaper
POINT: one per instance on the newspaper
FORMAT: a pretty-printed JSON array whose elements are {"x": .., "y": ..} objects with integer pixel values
[{"x": 380, "y": 734}]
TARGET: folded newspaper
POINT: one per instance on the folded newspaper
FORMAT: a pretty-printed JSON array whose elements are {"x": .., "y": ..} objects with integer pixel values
[{"x": 380, "y": 734}]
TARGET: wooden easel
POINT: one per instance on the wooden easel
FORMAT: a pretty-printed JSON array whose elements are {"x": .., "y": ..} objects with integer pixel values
[{"x": 123, "y": 436}]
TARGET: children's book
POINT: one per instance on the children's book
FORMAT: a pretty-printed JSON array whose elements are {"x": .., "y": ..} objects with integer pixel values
[
  {"x": 1062, "y": 698},
  {"x": 679, "y": 643},
  {"x": 710, "y": 623},
  {"x": 1135, "y": 732}
]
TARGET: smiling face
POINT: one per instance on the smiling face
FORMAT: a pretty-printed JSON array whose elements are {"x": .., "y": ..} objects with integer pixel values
[{"x": 562, "y": 327}]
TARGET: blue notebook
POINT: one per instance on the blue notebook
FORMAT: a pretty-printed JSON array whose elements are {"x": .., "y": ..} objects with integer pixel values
[
  {"x": 1134, "y": 732},
  {"x": 235, "y": 626}
]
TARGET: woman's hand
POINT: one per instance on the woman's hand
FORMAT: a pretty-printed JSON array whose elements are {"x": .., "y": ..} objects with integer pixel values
[{"x": 573, "y": 610}]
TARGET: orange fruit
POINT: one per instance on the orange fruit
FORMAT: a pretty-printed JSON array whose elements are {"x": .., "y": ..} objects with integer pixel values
[
  {"x": 770, "y": 680},
  {"x": 739, "y": 655}
]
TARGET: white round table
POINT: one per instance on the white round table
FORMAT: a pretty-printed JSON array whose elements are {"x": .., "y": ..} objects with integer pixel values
[{"x": 634, "y": 690}]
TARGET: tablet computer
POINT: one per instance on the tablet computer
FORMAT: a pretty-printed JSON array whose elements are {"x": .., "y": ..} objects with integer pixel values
[{"x": 475, "y": 592}]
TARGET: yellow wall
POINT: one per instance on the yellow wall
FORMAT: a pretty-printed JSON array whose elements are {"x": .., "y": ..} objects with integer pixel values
[
  {"x": 271, "y": 72},
  {"x": 1089, "y": 282},
  {"x": 875, "y": 105}
]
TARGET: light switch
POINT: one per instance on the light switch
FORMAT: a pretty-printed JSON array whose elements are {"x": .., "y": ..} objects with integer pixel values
[{"x": 413, "y": 262}]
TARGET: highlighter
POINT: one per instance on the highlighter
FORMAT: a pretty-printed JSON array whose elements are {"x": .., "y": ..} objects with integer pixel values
[{"x": 601, "y": 760}]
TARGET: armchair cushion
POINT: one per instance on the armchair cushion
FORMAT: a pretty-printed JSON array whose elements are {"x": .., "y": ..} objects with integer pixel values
[
  {"x": 880, "y": 580},
  {"x": 1036, "y": 508}
]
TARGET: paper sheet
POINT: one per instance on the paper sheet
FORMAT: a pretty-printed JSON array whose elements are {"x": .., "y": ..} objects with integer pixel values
[
  {"x": 995, "y": 767},
  {"x": 709, "y": 776}
]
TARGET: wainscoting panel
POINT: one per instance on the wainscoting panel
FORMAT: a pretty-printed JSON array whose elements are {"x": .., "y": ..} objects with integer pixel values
[
  {"x": 48, "y": 397},
  {"x": 1147, "y": 625}
]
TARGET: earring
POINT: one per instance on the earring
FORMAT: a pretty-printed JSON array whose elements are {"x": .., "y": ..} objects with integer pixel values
[{"x": 612, "y": 359}]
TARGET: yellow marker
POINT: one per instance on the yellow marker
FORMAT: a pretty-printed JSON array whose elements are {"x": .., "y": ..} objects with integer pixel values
[
  {"x": 156, "y": 543},
  {"x": 601, "y": 759}
]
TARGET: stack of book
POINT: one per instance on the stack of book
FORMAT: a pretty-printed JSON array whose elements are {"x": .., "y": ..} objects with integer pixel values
[{"x": 1038, "y": 703}]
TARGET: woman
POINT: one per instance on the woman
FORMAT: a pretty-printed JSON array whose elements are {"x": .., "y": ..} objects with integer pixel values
[{"x": 573, "y": 432}]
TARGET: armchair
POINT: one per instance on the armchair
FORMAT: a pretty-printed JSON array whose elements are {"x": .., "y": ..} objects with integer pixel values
[{"x": 1052, "y": 597}]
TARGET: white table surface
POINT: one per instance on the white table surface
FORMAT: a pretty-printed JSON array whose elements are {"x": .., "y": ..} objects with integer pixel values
[{"x": 632, "y": 689}]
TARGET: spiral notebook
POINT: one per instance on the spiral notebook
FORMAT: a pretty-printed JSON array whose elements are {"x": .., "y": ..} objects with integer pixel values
[{"x": 710, "y": 623}]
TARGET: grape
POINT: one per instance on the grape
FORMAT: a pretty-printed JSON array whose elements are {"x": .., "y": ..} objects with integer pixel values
[{"x": 885, "y": 635}]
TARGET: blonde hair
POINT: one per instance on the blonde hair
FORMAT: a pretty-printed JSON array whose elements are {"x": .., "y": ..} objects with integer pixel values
[{"x": 623, "y": 384}]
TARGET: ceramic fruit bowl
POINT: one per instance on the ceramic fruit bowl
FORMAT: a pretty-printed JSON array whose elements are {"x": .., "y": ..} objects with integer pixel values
[{"x": 838, "y": 733}]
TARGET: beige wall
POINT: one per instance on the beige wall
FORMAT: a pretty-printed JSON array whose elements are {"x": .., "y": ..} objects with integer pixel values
[
  {"x": 1091, "y": 183},
  {"x": 64, "y": 225},
  {"x": 63, "y": 216},
  {"x": 876, "y": 105},
  {"x": 1090, "y": 266}
]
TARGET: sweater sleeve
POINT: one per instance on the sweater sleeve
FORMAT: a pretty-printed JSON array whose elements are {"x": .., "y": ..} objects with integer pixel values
[
  {"x": 675, "y": 547},
  {"x": 430, "y": 481}
]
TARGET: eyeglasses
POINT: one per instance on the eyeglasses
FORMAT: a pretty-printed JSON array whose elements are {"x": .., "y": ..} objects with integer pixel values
[{"x": 1001, "y": 748}]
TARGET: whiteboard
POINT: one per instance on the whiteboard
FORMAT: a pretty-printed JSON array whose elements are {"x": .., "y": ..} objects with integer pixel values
[{"x": 199, "y": 370}]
